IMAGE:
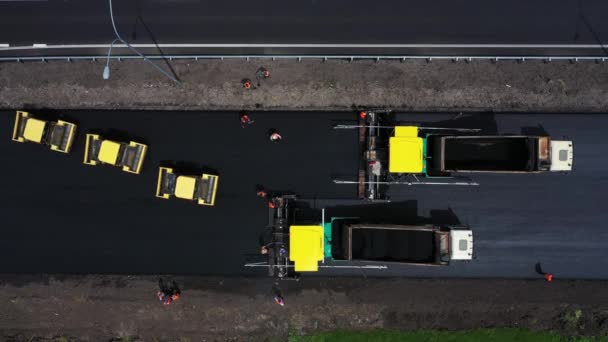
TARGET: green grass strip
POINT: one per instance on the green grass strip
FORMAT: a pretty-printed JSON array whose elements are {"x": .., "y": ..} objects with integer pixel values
[{"x": 481, "y": 335}]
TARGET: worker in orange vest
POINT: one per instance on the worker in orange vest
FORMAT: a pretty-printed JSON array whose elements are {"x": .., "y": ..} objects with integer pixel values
[
  {"x": 168, "y": 294},
  {"x": 247, "y": 84},
  {"x": 548, "y": 276}
]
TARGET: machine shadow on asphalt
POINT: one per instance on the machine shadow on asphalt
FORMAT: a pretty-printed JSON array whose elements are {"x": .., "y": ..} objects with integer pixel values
[
  {"x": 485, "y": 122},
  {"x": 404, "y": 212},
  {"x": 189, "y": 167},
  {"x": 118, "y": 135}
]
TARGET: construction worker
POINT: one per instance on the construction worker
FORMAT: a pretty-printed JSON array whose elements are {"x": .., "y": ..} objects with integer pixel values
[
  {"x": 264, "y": 250},
  {"x": 275, "y": 136},
  {"x": 168, "y": 294},
  {"x": 548, "y": 276},
  {"x": 279, "y": 300},
  {"x": 278, "y": 297},
  {"x": 262, "y": 73},
  {"x": 247, "y": 83},
  {"x": 245, "y": 119},
  {"x": 260, "y": 191}
]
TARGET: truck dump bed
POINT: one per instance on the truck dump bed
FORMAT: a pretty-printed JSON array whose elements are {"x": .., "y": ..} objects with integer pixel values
[
  {"x": 392, "y": 245},
  {"x": 484, "y": 153},
  {"x": 388, "y": 243}
]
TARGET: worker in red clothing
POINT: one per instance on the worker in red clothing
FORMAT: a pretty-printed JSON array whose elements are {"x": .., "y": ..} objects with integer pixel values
[
  {"x": 261, "y": 191},
  {"x": 362, "y": 115},
  {"x": 168, "y": 294},
  {"x": 245, "y": 119},
  {"x": 278, "y": 296},
  {"x": 548, "y": 276},
  {"x": 247, "y": 83},
  {"x": 274, "y": 136},
  {"x": 262, "y": 73}
]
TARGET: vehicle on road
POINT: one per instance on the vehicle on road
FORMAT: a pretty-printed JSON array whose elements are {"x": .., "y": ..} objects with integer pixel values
[
  {"x": 127, "y": 156},
  {"x": 201, "y": 189},
  {"x": 394, "y": 154},
  {"x": 57, "y": 135},
  {"x": 297, "y": 245}
]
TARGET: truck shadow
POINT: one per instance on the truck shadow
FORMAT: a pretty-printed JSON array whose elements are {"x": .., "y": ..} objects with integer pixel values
[
  {"x": 404, "y": 212},
  {"x": 538, "y": 130}
]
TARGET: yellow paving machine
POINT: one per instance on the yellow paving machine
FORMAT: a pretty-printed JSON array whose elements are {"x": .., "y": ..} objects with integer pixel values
[
  {"x": 297, "y": 244},
  {"x": 391, "y": 153}
]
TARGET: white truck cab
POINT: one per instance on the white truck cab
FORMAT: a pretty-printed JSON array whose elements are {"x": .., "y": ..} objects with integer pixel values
[
  {"x": 461, "y": 244},
  {"x": 562, "y": 155}
]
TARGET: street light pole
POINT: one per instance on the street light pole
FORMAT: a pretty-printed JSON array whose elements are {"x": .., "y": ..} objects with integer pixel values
[{"x": 106, "y": 69}]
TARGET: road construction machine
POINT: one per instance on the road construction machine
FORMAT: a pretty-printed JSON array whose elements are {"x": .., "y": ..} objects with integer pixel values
[
  {"x": 413, "y": 155},
  {"x": 297, "y": 245},
  {"x": 127, "y": 156},
  {"x": 57, "y": 135},
  {"x": 200, "y": 189}
]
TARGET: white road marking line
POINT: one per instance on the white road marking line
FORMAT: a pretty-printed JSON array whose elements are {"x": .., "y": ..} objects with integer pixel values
[
  {"x": 4, "y": 45},
  {"x": 36, "y": 46}
]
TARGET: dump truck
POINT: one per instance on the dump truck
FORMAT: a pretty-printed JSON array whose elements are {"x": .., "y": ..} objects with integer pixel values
[
  {"x": 57, "y": 135},
  {"x": 127, "y": 156},
  {"x": 350, "y": 239},
  {"x": 298, "y": 246},
  {"x": 412, "y": 155},
  {"x": 200, "y": 189}
]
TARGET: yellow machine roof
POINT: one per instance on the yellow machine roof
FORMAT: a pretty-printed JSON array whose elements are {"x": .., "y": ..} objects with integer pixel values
[
  {"x": 306, "y": 247},
  {"x": 184, "y": 187},
  {"x": 405, "y": 151},
  {"x": 34, "y": 129},
  {"x": 108, "y": 152},
  {"x": 406, "y": 131}
]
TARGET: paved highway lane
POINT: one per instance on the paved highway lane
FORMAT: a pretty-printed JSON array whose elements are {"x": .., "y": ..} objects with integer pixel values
[
  {"x": 63, "y": 216},
  {"x": 333, "y": 22}
]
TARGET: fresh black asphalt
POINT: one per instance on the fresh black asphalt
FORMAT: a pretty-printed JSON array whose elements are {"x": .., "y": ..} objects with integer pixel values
[
  {"x": 296, "y": 22},
  {"x": 59, "y": 215}
]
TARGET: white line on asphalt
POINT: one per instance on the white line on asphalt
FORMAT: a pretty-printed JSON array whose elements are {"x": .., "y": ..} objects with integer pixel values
[
  {"x": 338, "y": 46},
  {"x": 38, "y": 46},
  {"x": 4, "y": 45}
]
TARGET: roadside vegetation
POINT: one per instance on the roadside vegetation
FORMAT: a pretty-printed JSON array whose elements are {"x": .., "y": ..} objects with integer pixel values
[{"x": 481, "y": 335}]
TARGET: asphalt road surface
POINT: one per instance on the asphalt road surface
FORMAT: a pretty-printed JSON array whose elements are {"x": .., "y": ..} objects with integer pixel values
[
  {"x": 329, "y": 22},
  {"x": 60, "y": 215}
]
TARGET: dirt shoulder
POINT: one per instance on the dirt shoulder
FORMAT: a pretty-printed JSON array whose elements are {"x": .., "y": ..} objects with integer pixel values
[
  {"x": 505, "y": 86},
  {"x": 100, "y": 308}
]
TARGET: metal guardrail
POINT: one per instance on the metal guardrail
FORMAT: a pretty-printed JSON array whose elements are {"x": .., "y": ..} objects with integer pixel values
[{"x": 307, "y": 57}]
